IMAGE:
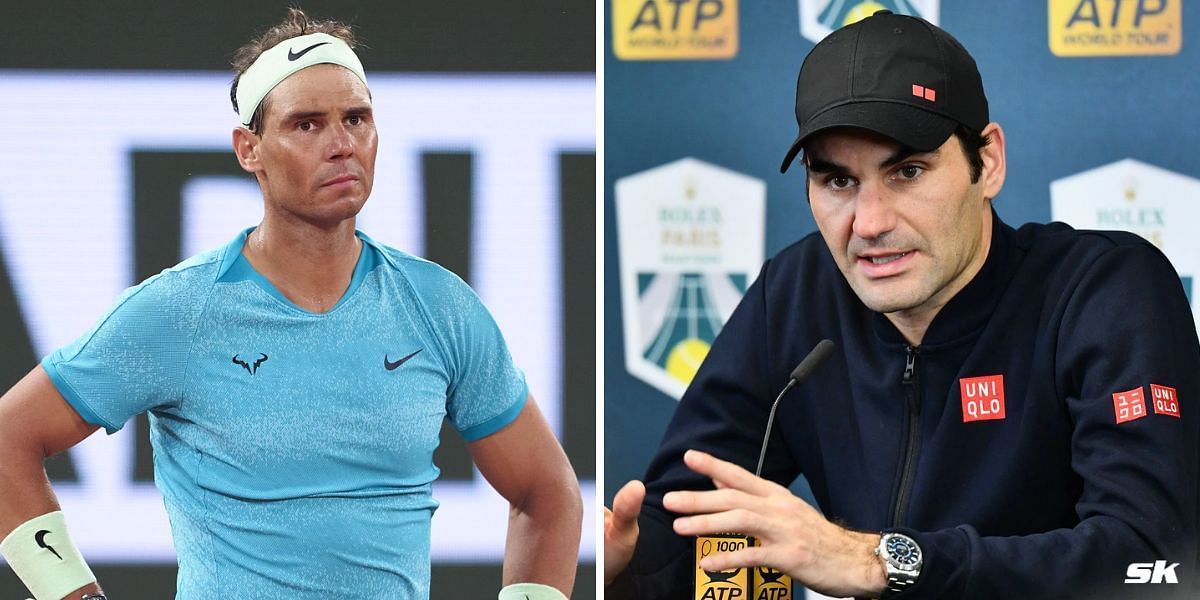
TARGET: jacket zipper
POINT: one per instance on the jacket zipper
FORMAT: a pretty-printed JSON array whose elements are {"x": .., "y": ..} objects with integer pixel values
[{"x": 913, "y": 443}]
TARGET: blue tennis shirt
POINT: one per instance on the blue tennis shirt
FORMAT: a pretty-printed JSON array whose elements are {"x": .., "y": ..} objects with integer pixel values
[{"x": 294, "y": 450}]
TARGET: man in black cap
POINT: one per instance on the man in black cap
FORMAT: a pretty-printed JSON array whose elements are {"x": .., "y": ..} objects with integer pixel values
[{"x": 1007, "y": 411}]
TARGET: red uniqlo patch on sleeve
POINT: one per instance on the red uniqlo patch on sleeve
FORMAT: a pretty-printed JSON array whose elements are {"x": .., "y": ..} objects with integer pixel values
[
  {"x": 1166, "y": 401},
  {"x": 982, "y": 398},
  {"x": 1129, "y": 406}
]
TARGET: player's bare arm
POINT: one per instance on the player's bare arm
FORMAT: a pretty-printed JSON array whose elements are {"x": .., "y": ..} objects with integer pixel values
[
  {"x": 525, "y": 463},
  {"x": 35, "y": 423}
]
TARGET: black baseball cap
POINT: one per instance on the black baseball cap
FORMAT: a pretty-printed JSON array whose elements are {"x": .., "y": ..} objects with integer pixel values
[{"x": 895, "y": 75}]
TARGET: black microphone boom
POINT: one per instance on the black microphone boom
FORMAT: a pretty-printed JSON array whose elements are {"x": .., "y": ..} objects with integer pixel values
[{"x": 810, "y": 363}]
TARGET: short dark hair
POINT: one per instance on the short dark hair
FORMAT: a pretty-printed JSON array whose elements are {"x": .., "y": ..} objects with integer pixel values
[
  {"x": 297, "y": 23},
  {"x": 972, "y": 143}
]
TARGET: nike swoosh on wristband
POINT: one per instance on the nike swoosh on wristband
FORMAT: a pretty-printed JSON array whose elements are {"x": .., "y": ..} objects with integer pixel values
[
  {"x": 391, "y": 366},
  {"x": 40, "y": 538},
  {"x": 296, "y": 55}
]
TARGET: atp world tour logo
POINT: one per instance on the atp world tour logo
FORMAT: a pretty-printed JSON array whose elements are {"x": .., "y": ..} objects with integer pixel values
[
  {"x": 1157, "y": 204},
  {"x": 819, "y": 18},
  {"x": 690, "y": 239}
]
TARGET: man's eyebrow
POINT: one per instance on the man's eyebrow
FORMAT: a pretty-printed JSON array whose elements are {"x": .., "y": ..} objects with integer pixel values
[
  {"x": 816, "y": 164},
  {"x": 303, "y": 114},
  {"x": 903, "y": 154}
]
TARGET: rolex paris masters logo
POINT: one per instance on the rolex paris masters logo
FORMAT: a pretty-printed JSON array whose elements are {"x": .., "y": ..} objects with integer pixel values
[
  {"x": 819, "y": 18},
  {"x": 1160, "y": 205},
  {"x": 690, "y": 238}
]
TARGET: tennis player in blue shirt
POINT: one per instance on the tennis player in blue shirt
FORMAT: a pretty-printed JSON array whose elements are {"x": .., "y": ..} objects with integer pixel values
[{"x": 296, "y": 380}]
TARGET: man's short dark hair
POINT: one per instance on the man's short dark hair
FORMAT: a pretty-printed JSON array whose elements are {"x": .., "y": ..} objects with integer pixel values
[
  {"x": 296, "y": 24},
  {"x": 972, "y": 144}
]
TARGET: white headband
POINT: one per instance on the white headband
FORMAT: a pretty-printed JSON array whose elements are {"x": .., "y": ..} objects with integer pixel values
[{"x": 289, "y": 56}]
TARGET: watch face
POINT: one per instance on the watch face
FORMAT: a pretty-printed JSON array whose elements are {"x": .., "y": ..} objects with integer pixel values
[{"x": 903, "y": 552}]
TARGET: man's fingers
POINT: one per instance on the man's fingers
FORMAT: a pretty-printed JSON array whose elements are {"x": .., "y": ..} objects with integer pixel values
[
  {"x": 627, "y": 504},
  {"x": 727, "y": 474},
  {"x": 621, "y": 528},
  {"x": 707, "y": 502},
  {"x": 751, "y": 556},
  {"x": 739, "y": 519}
]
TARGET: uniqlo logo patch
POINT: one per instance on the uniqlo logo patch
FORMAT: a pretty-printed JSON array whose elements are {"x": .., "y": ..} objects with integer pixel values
[
  {"x": 1130, "y": 405},
  {"x": 1166, "y": 401},
  {"x": 982, "y": 398}
]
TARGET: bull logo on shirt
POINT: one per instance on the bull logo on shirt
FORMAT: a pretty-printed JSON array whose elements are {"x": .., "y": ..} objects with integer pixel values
[{"x": 251, "y": 368}]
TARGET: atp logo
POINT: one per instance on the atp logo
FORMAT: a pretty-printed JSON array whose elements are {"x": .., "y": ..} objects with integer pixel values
[
  {"x": 819, "y": 18},
  {"x": 1093, "y": 28},
  {"x": 675, "y": 29},
  {"x": 731, "y": 584}
]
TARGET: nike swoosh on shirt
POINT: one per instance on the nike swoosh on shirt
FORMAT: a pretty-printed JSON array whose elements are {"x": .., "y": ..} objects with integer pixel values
[
  {"x": 296, "y": 55},
  {"x": 391, "y": 366}
]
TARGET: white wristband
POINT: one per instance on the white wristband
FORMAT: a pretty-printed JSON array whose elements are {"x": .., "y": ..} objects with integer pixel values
[
  {"x": 41, "y": 553},
  {"x": 530, "y": 591}
]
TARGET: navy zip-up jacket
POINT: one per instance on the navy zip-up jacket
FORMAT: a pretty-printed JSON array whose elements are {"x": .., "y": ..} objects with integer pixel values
[{"x": 1087, "y": 464}]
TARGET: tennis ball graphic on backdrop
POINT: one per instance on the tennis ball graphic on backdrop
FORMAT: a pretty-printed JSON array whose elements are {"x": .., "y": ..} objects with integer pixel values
[
  {"x": 685, "y": 358},
  {"x": 862, "y": 11}
]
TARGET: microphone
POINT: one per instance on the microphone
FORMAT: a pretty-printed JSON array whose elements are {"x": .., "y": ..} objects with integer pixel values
[
  {"x": 760, "y": 582},
  {"x": 806, "y": 367}
]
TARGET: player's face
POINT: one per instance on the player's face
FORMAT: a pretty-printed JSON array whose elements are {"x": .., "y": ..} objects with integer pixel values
[
  {"x": 318, "y": 144},
  {"x": 908, "y": 230}
]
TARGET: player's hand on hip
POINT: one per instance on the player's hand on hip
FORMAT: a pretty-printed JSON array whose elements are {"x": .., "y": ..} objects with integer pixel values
[
  {"x": 621, "y": 528},
  {"x": 793, "y": 536}
]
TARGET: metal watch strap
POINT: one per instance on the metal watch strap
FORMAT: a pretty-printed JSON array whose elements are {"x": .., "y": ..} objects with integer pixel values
[
  {"x": 896, "y": 585},
  {"x": 94, "y": 597},
  {"x": 899, "y": 576}
]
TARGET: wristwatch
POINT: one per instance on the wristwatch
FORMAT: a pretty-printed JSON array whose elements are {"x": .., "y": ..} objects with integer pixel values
[
  {"x": 902, "y": 558},
  {"x": 94, "y": 597}
]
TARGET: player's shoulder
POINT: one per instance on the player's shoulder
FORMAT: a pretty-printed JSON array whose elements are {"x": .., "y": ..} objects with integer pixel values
[
  {"x": 1061, "y": 234},
  {"x": 1060, "y": 243},
  {"x": 193, "y": 277},
  {"x": 423, "y": 275}
]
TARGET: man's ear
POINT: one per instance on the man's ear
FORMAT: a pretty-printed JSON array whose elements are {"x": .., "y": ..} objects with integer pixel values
[
  {"x": 994, "y": 167},
  {"x": 245, "y": 146}
]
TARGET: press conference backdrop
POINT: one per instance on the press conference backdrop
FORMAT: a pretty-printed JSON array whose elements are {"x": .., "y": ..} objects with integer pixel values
[
  {"x": 115, "y": 163},
  {"x": 1099, "y": 99}
]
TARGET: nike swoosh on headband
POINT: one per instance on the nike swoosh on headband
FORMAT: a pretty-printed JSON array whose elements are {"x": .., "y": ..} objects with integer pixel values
[{"x": 296, "y": 55}]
